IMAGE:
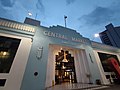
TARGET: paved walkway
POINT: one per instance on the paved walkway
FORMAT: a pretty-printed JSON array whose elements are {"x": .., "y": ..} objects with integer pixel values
[
  {"x": 112, "y": 87},
  {"x": 76, "y": 86}
]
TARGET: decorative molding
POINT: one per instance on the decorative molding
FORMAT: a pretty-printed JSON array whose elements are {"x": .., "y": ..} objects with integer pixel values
[
  {"x": 39, "y": 52},
  {"x": 103, "y": 46},
  {"x": 14, "y": 25}
]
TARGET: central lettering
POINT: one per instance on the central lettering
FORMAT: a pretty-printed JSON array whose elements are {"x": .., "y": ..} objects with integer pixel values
[{"x": 57, "y": 35}]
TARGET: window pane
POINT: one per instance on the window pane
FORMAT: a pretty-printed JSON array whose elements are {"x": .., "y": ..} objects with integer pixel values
[
  {"x": 8, "y": 49},
  {"x": 2, "y": 82},
  {"x": 104, "y": 60}
]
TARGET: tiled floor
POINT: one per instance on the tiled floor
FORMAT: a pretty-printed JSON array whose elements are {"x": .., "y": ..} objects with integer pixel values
[{"x": 76, "y": 86}]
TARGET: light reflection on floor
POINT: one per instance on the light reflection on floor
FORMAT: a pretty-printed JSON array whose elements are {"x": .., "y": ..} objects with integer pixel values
[{"x": 76, "y": 86}]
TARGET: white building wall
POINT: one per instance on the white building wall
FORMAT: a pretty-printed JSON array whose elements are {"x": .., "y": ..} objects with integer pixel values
[
  {"x": 15, "y": 76},
  {"x": 102, "y": 73},
  {"x": 50, "y": 67},
  {"x": 81, "y": 66}
]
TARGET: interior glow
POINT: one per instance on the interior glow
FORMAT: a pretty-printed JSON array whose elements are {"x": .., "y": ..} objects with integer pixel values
[
  {"x": 4, "y": 53},
  {"x": 63, "y": 67},
  {"x": 65, "y": 60}
]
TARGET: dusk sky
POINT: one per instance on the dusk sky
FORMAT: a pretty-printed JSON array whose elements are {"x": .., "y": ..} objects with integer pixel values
[{"x": 85, "y": 16}]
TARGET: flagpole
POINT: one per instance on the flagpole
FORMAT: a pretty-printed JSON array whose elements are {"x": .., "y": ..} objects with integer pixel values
[{"x": 65, "y": 17}]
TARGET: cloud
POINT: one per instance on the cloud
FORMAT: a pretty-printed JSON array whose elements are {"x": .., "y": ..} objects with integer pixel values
[
  {"x": 5, "y": 14},
  {"x": 70, "y": 1},
  {"x": 95, "y": 21},
  {"x": 102, "y": 15},
  {"x": 18, "y": 9},
  {"x": 5, "y": 9},
  {"x": 40, "y": 6},
  {"x": 7, "y": 3},
  {"x": 98, "y": 16},
  {"x": 14, "y": 11}
]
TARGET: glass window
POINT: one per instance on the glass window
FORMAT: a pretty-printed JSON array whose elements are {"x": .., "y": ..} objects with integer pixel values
[
  {"x": 108, "y": 76},
  {"x": 2, "y": 82},
  {"x": 104, "y": 60},
  {"x": 8, "y": 49}
]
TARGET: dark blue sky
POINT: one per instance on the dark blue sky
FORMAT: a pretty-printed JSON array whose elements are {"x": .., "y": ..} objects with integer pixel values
[{"x": 86, "y": 16}]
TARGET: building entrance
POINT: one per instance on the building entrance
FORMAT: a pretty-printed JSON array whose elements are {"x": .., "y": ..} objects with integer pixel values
[{"x": 64, "y": 68}]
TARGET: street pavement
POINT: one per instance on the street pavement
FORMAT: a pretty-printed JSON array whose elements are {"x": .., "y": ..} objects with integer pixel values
[{"x": 112, "y": 87}]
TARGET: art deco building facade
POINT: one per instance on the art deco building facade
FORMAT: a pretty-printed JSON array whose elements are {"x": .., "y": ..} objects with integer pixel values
[{"x": 34, "y": 57}]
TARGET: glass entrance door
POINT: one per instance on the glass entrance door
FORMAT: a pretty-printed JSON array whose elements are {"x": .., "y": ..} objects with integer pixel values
[{"x": 64, "y": 68}]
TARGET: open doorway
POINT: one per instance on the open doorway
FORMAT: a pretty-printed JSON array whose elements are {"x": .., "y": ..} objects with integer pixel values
[
  {"x": 64, "y": 68},
  {"x": 66, "y": 64}
]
